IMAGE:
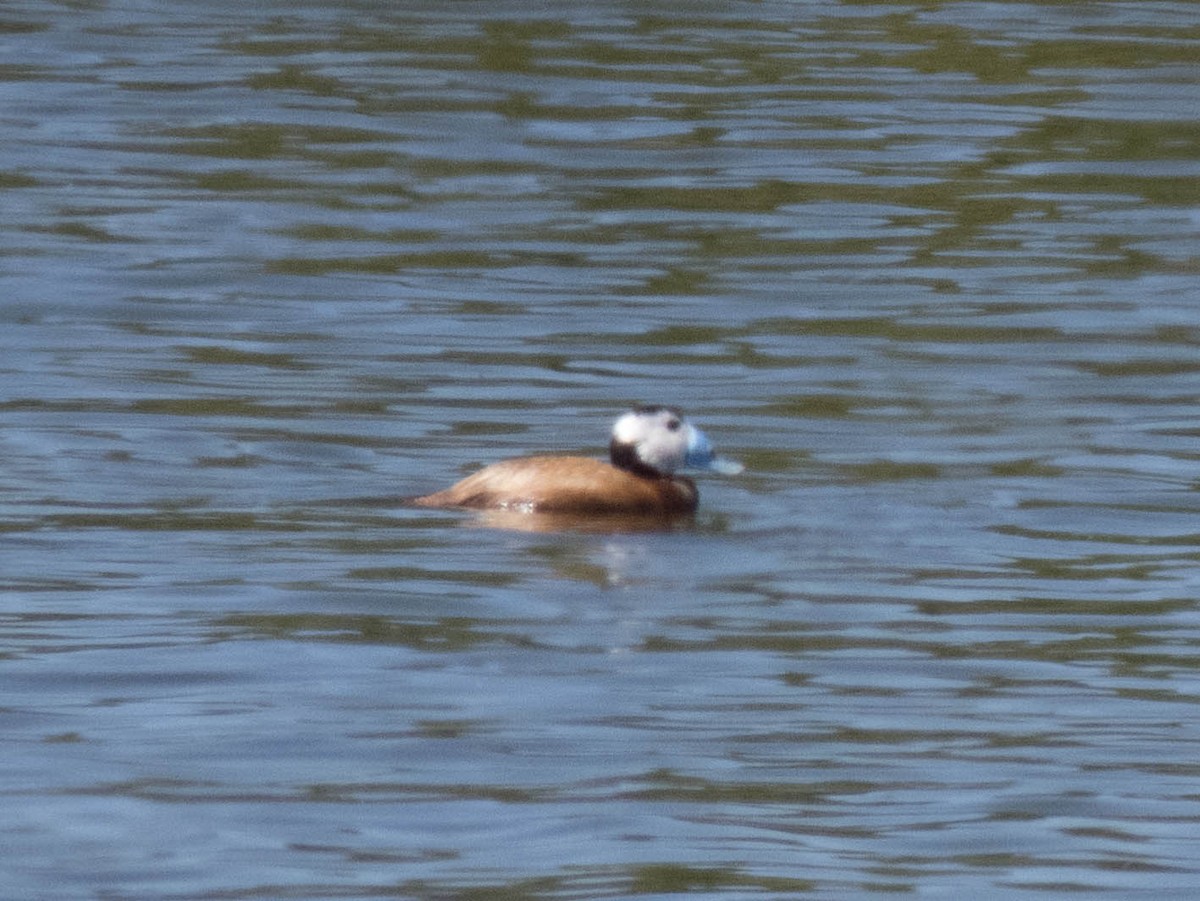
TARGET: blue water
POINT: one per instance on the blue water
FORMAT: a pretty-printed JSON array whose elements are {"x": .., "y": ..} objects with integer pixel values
[{"x": 929, "y": 271}]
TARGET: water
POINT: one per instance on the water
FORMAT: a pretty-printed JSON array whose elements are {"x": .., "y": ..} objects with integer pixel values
[{"x": 929, "y": 270}]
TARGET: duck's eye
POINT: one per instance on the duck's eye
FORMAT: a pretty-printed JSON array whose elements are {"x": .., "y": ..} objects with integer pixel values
[{"x": 673, "y": 425}]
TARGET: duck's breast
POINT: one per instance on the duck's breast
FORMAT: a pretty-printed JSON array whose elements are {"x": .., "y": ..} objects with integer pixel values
[{"x": 566, "y": 485}]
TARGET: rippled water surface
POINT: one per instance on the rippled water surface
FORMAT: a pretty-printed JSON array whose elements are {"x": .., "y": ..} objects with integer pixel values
[{"x": 930, "y": 270}]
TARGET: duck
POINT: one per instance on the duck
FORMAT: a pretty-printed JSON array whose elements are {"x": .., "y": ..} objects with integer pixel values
[{"x": 648, "y": 445}]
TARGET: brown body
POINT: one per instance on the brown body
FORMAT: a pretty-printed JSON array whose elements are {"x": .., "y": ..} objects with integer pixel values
[{"x": 567, "y": 485}]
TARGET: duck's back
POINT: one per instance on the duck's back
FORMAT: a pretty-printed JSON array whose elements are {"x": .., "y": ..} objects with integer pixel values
[{"x": 567, "y": 485}]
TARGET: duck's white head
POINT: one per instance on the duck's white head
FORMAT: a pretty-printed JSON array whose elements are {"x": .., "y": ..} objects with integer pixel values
[{"x": 657, "y": 441}]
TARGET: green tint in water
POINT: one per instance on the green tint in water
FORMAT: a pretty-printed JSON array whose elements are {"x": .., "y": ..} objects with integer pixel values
[{"x": 268, "y": 272}]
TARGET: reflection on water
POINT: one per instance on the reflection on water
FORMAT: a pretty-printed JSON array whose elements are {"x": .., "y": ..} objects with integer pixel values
[
  {"x": 526, "y": 521},
  {"x": 268, "y": 271}
]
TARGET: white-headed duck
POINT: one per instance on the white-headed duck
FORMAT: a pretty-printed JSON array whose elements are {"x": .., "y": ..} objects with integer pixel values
[{"x": 648, "y": 445}]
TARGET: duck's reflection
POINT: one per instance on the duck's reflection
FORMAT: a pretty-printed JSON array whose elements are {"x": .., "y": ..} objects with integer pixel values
[{"x": 596, "y": 524}]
